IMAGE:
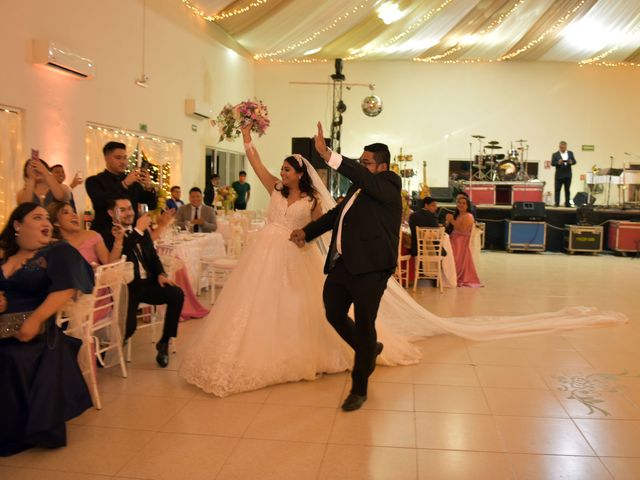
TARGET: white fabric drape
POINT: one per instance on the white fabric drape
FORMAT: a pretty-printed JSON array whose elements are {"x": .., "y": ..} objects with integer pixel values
[
  {"x": 158, "y": 150},
  {"x": 10, "y": 160}
]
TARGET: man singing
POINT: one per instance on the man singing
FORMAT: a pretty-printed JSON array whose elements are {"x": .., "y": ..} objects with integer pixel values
[{"x": 562, "y": 160}]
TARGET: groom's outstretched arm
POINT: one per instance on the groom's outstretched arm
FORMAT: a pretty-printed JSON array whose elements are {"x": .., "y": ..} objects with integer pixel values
[{"x": 322, "y": 224}]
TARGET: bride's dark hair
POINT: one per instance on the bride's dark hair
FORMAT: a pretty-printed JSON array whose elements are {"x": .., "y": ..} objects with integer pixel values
[{"x": 305, "y": 185}]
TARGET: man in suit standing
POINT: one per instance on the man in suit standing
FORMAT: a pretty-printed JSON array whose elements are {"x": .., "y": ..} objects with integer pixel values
[
  {"x": 562, "y": 160},
  {"x": 150, "y": 284},
  {"x": 201, "y": 217},
  {"x": 115, "y": 182},
  {"x": 362, "y": 255},
  {"x": 425, "y": 217}
]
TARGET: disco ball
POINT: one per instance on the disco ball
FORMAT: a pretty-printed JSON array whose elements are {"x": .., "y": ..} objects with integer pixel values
[{"x": 372, "y": 105}]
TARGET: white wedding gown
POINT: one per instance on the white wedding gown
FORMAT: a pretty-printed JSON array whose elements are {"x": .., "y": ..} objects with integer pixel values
[{"x": 268, "y": 325}]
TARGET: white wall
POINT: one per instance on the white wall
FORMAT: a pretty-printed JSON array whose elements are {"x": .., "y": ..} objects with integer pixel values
[
  {"x": 432, "y": 110},
  {"x": 184, "y": 58}
]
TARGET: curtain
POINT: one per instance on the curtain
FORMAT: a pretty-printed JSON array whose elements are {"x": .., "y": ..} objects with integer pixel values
[
  {"x": 158, "y": 150},
  {"x": 10, "y": 160}
]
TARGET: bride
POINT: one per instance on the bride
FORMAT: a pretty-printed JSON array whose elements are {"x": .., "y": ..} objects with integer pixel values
[{"x": 268, "y": 325}]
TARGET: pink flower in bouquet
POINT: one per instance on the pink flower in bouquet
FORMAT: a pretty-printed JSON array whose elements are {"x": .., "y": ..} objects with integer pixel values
[{"x": 232, "y": 119}]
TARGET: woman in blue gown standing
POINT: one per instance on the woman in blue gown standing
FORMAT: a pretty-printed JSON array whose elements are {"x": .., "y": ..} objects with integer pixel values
[{"x": 41, "y": 383}]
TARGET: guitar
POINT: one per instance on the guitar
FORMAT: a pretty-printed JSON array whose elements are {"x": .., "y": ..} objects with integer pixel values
[{"x": 424, "y": 188}]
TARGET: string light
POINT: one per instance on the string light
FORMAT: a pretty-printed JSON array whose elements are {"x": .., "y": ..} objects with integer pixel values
[
  {"x": 599, "y": 57},
  {"x": 462, "y": 43},
  {"x": 543, "y": 35},
  {"x": 336, "y": 21},
  {"x": 424, "y": 18},
  {"x": 612, "y": 64},
  {"x": 223, "y": 15}
]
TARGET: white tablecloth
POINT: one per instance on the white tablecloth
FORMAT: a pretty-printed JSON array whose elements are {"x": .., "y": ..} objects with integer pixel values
[
  {"x": 190, "y": 248},
  {"x": 449, "y": 273}
]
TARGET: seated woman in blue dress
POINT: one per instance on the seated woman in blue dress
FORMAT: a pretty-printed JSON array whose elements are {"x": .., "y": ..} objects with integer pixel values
[{"x": 40, "y": 380}]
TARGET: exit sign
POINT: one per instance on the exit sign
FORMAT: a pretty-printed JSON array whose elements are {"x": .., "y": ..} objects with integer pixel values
[{"x": 588, "y": 148}]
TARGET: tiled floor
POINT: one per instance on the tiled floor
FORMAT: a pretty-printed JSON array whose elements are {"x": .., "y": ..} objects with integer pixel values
[{"x": 542, "y": 407}]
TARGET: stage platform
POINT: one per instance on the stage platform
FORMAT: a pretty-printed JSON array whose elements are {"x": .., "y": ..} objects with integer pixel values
[{"x": 495, "y": 216}]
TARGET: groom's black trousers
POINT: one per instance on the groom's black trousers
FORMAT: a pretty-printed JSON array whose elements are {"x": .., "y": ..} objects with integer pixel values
[{"x": 341, "y": 289}]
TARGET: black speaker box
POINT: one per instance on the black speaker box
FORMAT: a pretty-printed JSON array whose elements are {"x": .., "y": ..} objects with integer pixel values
[
  {"x": 528, "y": 211},
  {"x": 581, "y": 198},
  {"x": 304, "y": 146},
  {"x": 441, "y": 194}
]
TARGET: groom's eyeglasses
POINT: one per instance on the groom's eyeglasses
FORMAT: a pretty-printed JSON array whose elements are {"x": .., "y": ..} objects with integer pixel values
[{"x": 366, "y": 163}]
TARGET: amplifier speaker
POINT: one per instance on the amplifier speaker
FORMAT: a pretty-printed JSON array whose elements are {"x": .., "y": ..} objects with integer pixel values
[
  {"x": 441, "y": 194},
  {"x": 528, "y": 211},
  {"x": 304, "y": 146},
  {"x": 581, "y": 198}
]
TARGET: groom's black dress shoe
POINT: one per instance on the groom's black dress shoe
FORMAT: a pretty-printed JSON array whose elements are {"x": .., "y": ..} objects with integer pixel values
[
  {"x": 163, "y": 354},
  {"x": 353, "y": 402}
]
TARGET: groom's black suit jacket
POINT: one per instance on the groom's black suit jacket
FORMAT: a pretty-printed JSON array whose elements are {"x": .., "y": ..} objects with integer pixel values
[{"x": 371, "y": 227}]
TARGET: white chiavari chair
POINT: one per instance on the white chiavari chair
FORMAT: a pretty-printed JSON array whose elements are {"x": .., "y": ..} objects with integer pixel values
[
  {"x": 402, "y": 268},
  {"x": 428, "y": 263},
  {"x": 95, "y": 318}
]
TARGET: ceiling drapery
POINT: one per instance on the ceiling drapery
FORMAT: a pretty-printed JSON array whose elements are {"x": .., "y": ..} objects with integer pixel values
[{"x": 582, "y": 31}]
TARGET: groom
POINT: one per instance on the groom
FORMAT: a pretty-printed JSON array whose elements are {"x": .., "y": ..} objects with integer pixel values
[{"x": 362, "y": 255}]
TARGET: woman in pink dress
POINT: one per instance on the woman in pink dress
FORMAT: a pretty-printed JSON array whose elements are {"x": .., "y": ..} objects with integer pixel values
[
  {"x": 463, "y": 225},
  {"x": 66, "y": 226}
]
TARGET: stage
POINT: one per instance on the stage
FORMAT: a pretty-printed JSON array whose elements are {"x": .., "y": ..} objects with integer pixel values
[{"x": 495, "y": 216}]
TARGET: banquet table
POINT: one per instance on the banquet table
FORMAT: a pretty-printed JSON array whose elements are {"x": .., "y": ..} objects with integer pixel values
[{"x": 191, "y": 247}]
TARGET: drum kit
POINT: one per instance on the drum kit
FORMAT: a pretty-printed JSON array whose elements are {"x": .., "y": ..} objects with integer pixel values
[{"x": 489, "y": 165}]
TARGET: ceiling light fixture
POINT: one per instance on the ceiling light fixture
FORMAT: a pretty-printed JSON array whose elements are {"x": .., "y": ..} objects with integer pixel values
[
  {"x": 389, "y": 12},
  {"x": 312, "y": 51}
]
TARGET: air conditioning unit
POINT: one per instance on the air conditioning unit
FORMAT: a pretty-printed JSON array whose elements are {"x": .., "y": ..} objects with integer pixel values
[
  {"x": 56, "y": 56},
  {"x": 198, "y": 108}
]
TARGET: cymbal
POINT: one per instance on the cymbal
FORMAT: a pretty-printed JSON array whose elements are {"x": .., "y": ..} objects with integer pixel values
[
  {"x": 520, "y": 141},
  {"x": 492, "y": 147},
  {"x": 478, "y": 136},
  {"x": 493, "y": 142}
]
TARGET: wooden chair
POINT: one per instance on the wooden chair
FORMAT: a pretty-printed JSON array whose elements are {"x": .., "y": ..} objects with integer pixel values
[
  {"x": 402, "y": 268},
  {"x": 429, "y": 259}
]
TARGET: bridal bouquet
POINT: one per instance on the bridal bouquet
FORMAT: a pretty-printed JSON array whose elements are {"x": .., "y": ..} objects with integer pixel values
[{"x": 232, "y": 118}]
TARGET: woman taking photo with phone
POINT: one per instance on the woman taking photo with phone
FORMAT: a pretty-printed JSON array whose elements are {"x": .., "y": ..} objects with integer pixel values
[{"x": 40, "y": 186}]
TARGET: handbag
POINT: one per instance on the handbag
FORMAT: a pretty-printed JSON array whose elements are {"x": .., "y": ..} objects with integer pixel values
[{"x": 10, "y": 323}]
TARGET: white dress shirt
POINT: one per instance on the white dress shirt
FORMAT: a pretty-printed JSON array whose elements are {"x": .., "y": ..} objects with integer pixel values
[{"x": 334, "y": 162}]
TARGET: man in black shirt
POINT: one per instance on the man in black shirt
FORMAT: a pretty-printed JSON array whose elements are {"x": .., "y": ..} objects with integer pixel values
[
  {"x": 113, "y": 182},
  {"x": 425, "y": 217}
]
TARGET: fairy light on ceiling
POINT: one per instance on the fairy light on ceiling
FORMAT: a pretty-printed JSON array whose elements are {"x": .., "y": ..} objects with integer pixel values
[
  {"x": 223, "y": 15},
  {"x": 424, "y": 18},
  {"x": 471, "y": 39},
  {"x": 336, "y": 21},
  {"x": 544, "y": 34},
  {"x": 623, "y": 40}
]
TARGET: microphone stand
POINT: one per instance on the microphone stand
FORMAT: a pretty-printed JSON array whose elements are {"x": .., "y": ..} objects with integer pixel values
[
  {"x": 609, "y": 188},
  {"x": 470, "y": 166}
]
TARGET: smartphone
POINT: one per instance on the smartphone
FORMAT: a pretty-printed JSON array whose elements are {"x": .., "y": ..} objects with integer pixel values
[
  {"x": 35, "y": 154},
  {"x": 117, "y": 216},
  {"x": 143, "y": 209}
]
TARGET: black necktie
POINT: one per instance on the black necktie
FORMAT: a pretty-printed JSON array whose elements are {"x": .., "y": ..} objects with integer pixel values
[
  {"x": 137, "y": 252},
  {"x": 196, "y": 228}
]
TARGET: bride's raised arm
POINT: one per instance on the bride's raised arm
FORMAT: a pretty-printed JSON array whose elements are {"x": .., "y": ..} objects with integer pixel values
[{"x": 268, "y": 180}]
